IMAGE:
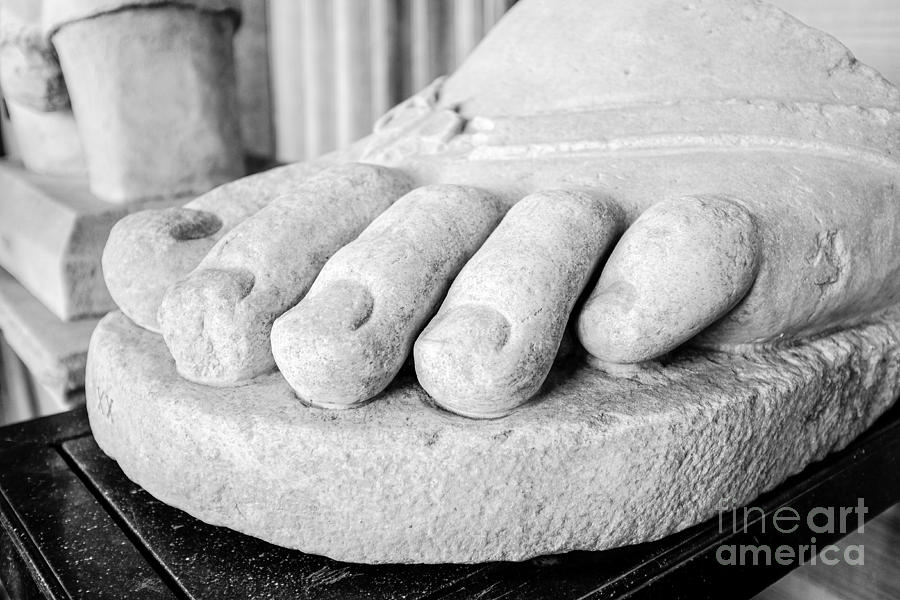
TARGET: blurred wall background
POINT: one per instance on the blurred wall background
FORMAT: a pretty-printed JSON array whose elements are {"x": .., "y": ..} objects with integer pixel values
[{"x": 338, "y": 65}]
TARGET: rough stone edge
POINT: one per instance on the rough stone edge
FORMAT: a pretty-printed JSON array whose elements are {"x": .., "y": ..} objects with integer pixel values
[
  {"x": 596, "y": 463},
  {"x": 59, "y": 13}
]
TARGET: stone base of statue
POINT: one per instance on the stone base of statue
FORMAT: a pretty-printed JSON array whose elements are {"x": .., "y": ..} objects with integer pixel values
[{"x": 596, "y": 461}]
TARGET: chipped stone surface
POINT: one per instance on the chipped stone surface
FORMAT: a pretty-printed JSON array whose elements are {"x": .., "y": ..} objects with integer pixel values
[{"x": 596, "y": 462}]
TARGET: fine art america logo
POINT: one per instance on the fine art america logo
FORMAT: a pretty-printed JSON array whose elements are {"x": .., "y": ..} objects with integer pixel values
[{"x": 821, "y": 520}]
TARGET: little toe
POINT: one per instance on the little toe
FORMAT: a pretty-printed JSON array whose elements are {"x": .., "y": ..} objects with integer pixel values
[
  {"x": 682, "y": 265},
  {"x": 195, "y": 318}
]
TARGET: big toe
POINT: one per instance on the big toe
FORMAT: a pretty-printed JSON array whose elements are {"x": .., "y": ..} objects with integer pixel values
[{"x": 197, "y": 318}]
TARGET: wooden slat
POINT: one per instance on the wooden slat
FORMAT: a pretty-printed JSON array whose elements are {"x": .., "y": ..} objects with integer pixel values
[
  {"x": 68, "y": 543},
  {"x": 45, "y": 431}
]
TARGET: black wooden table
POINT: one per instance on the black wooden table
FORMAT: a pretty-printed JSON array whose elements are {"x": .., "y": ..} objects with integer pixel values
[{"x": 73, "y": 526}]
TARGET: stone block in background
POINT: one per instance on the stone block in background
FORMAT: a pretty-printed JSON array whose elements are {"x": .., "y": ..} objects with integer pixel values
[
  {"x": 53, "y": 351},
  {"x": 52, "y": 233},
  {"x": 154, "y": 93},
  {"x": 16, "y": 398}
]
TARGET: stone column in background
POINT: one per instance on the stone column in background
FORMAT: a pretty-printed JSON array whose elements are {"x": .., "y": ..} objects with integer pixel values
[
  {"x": 338, "y": 65},
  {"x": 251, "y": 63}
]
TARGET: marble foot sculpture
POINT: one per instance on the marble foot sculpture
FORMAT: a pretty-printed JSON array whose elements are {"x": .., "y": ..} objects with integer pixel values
[{"x": 705, "y": 193}]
